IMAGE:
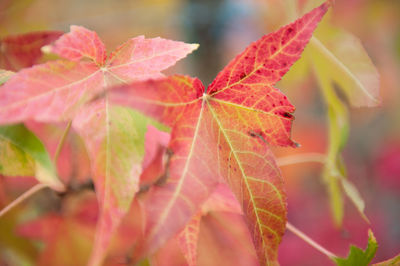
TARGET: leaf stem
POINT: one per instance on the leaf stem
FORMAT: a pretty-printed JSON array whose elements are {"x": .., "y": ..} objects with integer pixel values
[
  {"x": 311, "y": 242},
  {"x": 22, "y": 197},
  {"x": 301, "y": 158},
  {"x": 62, "y": 141}
]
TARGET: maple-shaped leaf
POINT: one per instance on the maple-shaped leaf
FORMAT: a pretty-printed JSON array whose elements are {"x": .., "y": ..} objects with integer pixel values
[
  {"x": 358, "y": 256},
  {"x": 24, "y": 50},
  {"x": 60, "y": 87},
  {"x": 223, "y": 133}
]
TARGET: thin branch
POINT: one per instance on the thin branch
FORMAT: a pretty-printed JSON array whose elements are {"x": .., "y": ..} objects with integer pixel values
[
  {"x": 311, "y": 242},
  {"x": 21, "y": 198},
  {"x": 301, "y": 158},
  {"x": 62, "y": 140}
]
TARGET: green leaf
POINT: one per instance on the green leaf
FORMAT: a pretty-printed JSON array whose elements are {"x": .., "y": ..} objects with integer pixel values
[
  {"x": 338, "y": 132},
  {"x": 339, "y": 58},
  {"x": 359, "y": 257},
  {"x": 349, "y": 65},
  {"x": 354, "y": 195},
  {"x": 23, "y": 154}
]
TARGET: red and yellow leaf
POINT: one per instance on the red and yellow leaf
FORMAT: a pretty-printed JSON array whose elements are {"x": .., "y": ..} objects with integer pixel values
[{"x": 222, "y": 133}]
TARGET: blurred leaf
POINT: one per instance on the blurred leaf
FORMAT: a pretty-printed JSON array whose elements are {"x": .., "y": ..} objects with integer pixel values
[
  {"x": 338, "y": 132},
  {"x": 24, "y": 50},
  {"x": 390, "y": 262},
  {"x": 354, "y": 195},
  {"x": 114, "y": 137},
  {"x": 339, "y": 58},
  {"x": 14, "y": 249},
  {"x": 188, "y": 239},
  {"x": 67, "y": 235},
  {"x": 348, "y": 64},
  {"x": 154, "y": 162},
  {"x": 359, "y": 257},
  {"x": 221, "y": 200},
  {"x": 55, "y": 91},
  {"x": 5, "y": 75},
  {"x": 22, "y": 154}
]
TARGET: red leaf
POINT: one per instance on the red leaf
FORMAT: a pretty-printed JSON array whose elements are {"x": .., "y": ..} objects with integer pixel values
[
  {"x": 20, "y": 51},
  {"x": 222, "y": 133}
]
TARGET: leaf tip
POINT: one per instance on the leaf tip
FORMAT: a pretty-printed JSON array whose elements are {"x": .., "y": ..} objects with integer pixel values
[
  {"x": 371, "y": 235},
  {"x": 194, "y": 46}
]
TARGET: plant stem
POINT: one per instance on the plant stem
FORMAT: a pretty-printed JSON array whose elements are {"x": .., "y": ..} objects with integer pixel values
[
  {"x": 21, "y": 198},
  {"x": 301, "y": 158},
  {"x": 311, "y": 242},
  {"x": 62, "y": 141}
]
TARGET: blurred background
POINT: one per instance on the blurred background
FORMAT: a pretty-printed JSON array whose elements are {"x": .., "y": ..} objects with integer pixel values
[{"x": 223, "y": 28}]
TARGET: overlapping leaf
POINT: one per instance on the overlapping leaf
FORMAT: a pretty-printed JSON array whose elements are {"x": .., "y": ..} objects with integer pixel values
[
  {"x": 63, "y": 86},
  {"x": 221, "y": 200},
  {"x": 114, "y": 136},
  {"x": 20, "y": 51},
  {"x": 68, "y": 235},
  {"x": 222, "y": 132},
  {"x": 22, "y": 154}
]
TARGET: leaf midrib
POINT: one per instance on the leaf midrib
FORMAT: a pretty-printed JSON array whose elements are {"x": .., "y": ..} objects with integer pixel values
[
  {"x": 260, "y": 225},
  {"x": 258, "y": 67},
  {"x": 178, "y": 189},
  {"x": 317, "y": 44}
]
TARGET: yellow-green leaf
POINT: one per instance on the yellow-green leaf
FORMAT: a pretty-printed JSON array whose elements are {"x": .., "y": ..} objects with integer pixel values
[
  {"x": 359, "y": 257},
  {"x": 22, "y": 154}
]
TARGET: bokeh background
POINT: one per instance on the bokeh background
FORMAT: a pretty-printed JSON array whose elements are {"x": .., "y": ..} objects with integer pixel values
[{"x": 223, "y": 28}]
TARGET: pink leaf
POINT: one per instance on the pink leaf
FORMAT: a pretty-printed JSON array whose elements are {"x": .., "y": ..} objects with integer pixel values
[
  {"x": 78, "y": 43},
  {"x": 188, "y": 239}
]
